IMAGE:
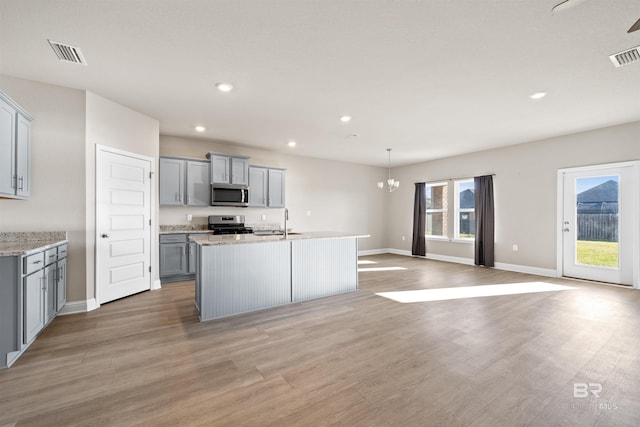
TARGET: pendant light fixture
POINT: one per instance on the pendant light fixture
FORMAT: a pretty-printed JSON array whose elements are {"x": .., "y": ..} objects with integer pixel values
[{"x": 392, "y": 184}]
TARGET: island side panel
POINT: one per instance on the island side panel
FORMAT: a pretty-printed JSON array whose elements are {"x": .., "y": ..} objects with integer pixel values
[
  {"x": 323, "y": 267},
  {"x": 237, "y": 278}
]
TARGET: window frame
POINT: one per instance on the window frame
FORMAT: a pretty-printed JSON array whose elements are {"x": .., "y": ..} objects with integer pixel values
[
  {"x": 444, "y": 210},
  {"x": 457, "y": 210}
]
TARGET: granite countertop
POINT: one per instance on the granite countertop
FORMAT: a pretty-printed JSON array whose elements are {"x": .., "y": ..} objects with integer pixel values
[
  {"x": 26, "y": 243},
  {"x": 231, "y": 239},
  {"x": 184, "y": 229}
]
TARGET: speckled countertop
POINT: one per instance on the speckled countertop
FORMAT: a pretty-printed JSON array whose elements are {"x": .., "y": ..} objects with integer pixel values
[
  {"x": 231, "y": 239},
  {"x": 26, "y": 243},
  {"x": 182, "y": 229}
]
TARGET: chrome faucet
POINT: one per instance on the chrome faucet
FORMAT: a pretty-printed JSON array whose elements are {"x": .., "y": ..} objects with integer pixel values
[{"x": 286, "y": 218}]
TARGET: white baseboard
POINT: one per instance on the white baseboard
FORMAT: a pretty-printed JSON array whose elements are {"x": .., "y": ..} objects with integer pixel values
[
  {"x": 156, "y": 285},
  {"x": 373, "y": 252},
  {"x": 547, "y": 272},
  {"x": 73, "y": 307}
]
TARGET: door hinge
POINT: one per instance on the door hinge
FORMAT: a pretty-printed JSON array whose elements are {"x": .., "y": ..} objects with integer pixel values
[
  {"x": 150, "y": 174},
  {"x": 149, "y": 269},
  {"x": 149, "y": 222}
]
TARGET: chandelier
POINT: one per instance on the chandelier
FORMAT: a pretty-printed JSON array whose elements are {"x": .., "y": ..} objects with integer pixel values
[{"x": 392, "y": 184}]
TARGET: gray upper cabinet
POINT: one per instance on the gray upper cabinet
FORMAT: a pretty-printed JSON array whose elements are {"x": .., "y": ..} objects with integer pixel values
[
  {"x": 276, "y": 188},
  {"x": 15, "y": 146},
  {"x": 239, "y": 171},
  {"x": 171, "y": 182},
  {"x": 266, "y": 187},
  {"x": 257, "y": 187},
  {"x": 198, "y": 183},
  {"x": 220, "y": 168},
  {"x": 227, "y": 169},
  {"x": 184, "y": 182}
]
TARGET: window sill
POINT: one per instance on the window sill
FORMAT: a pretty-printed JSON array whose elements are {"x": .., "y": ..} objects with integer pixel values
[
  {"x": 463, "y": 240},
  {"x": 438, "y": 238}
]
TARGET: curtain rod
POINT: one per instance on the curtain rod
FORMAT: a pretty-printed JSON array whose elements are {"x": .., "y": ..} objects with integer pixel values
[{"x": 453, "y": 179}]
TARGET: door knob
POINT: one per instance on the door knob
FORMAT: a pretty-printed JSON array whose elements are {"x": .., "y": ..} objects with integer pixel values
[{"x": 105, "y": 236}]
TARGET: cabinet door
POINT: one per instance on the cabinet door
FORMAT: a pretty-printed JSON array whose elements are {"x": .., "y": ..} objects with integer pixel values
[
  {"x": 257, "y": 187},
  {"x": 61, "y": 285},
  {"x": 173, "y": 259},
  {"x": 276, "y": 188},
  {"x": 198, "y": 184},
  {"x": 192, "y": 258},
  {"x": 50, "y": 276},
  {"x": 23, "y": 156},
  {"x": 33, "y": 309},
  {"x": 219, "y": 169},
  {"x": 239, "y": 171},
  {"x": 171, "y": 182},
  {"x": 7, "y": 149}
]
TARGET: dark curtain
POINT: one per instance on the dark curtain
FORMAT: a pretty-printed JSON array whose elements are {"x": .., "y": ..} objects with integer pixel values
[
  {"x": 484, "y": 220},
  {"x": 418, "y": 246}
]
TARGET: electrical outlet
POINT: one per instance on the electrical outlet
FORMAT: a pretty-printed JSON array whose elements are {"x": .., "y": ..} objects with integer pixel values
[
  {"x": 515, "y": 248},
  {"x": 404, "y": 238},
  {"x": 308, "y": 213},
  {"x": 189, "y": 217},
  {"x": 263, "y": 217}
]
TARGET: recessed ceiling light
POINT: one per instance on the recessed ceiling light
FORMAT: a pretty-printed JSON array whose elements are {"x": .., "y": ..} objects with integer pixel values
[
  {"x": 200, "y": 128},
  {"x": 291, "y": 144},
  {"x": 224, "y": 87},
  {"x": 345, "y": 119},
  {"x": 538, "y": 95}
]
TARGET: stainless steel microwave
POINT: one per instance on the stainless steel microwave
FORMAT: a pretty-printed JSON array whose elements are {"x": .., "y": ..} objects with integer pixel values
[{"x": 229, "y": 195}]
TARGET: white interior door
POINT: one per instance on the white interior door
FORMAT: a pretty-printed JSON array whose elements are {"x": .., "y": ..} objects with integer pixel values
[
  {"x": 598, "y": 229},
  {"x": 123, "y": 230}
]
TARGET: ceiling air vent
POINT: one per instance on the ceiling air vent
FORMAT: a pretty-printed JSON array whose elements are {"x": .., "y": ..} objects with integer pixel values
[
  {"x": 67, "y": 52},
  {"x": 626, "y": 57}
]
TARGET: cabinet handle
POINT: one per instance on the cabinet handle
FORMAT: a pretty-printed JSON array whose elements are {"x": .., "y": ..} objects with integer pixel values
[
  {"x": 37, "y": 262},
  {"x": 14, "y": 182},
  {"x": 21, "y": 180}
]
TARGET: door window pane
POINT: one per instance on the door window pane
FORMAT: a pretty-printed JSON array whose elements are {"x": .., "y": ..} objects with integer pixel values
[{"x": 597, "y": 221}]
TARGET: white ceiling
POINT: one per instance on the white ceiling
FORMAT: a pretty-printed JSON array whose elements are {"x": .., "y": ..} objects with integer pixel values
[{"x": 428, "y": 78}]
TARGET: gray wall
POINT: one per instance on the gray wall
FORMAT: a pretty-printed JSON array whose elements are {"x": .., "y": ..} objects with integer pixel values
[
  {"x": 340, "y": 196},
  {"x": 525, "y": 190},
  {"x": 67, "y": 124},
  {"x": 58, "y": 183},
  {"x": 113, "y": 125}
]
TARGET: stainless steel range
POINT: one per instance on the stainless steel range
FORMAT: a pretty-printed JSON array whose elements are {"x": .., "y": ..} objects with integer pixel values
[{"x": 228, "y": 224}]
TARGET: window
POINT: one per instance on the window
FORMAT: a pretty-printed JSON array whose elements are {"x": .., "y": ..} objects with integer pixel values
[
  {"x": 465, "y": 212},
  {"x": 437, "y": 201}
]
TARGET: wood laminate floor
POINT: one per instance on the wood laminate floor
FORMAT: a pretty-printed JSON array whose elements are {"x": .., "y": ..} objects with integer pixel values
[{"x": 356, "y": 359}]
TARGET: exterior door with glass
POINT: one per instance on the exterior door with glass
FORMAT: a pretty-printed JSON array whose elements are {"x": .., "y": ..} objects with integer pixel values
[{"x": 597, "y": 223}]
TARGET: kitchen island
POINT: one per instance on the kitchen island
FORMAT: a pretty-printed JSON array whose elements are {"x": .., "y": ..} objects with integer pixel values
[{"x": 241, "y": 273}]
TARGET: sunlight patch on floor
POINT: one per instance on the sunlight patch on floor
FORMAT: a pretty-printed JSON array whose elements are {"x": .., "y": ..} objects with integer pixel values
[
  {"x": 363, "y": 270},
  {"x": 441, "y": 294},
  {"x": 366, "y": 261}
]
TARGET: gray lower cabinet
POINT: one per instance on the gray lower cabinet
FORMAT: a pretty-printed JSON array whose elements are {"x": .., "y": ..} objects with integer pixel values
[
  {"x": 178, "y": 260},
  {"x": 34, "y": 306},
  {"x": 184, "y": 182},
  {"x": 266, "y": 187},
  {"x": 15, "y": 146},
  {"x": 32, "y": 293}
]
